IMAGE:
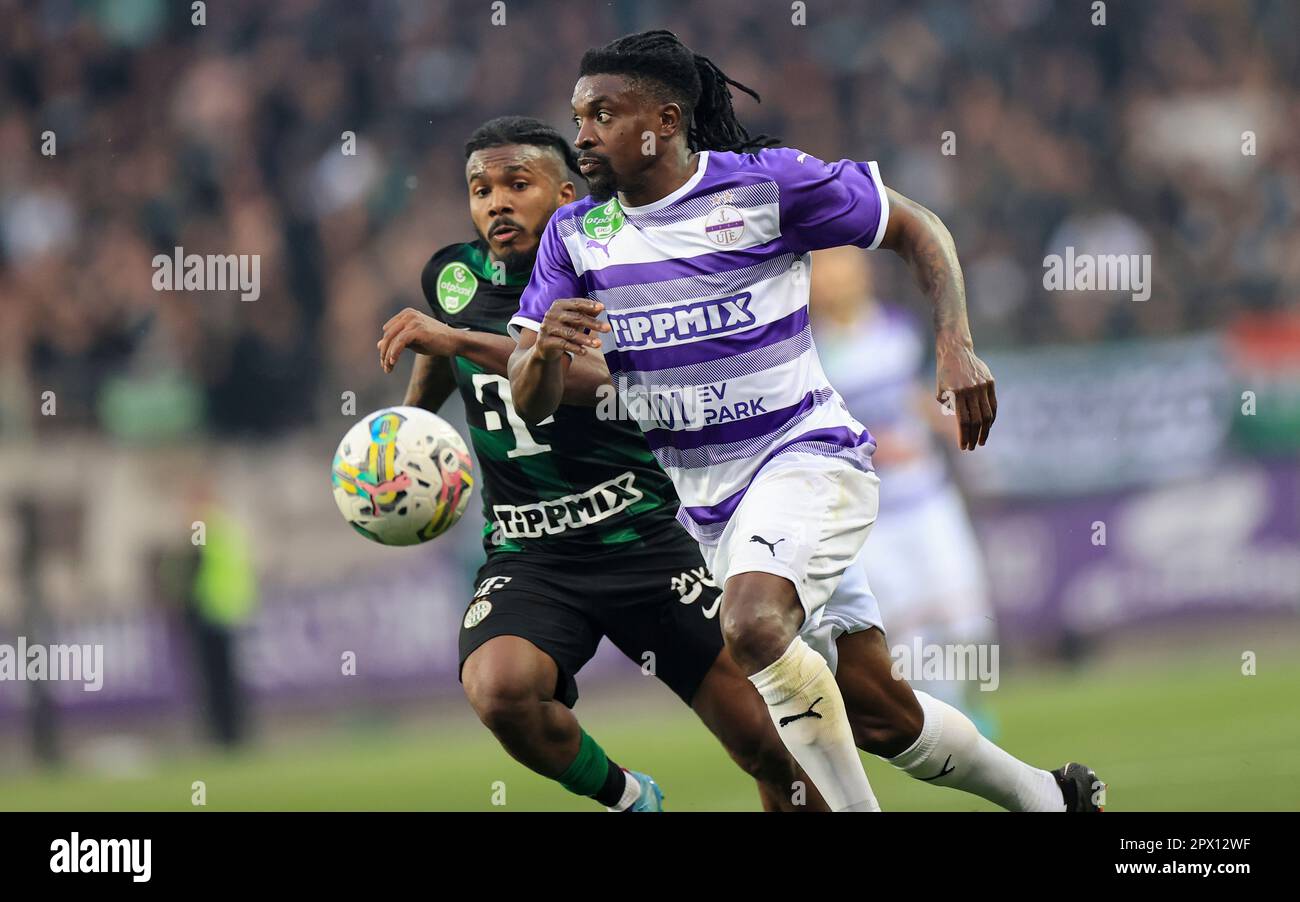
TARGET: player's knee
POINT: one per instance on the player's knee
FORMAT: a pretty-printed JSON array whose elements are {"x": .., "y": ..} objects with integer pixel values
[
  {"x": 504, "y": 704},
  {"x": 757, "y": 628},
  {"x": 756, "y": 640}
]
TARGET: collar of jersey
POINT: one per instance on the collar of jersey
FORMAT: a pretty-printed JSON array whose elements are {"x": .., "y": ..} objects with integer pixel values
[
  {"x": 677, "y": 195},
  {"x": 478, "y": 260}
]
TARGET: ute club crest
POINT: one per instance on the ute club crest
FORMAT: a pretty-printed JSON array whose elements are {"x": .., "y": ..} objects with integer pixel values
[{"x": 724, "y": 225}]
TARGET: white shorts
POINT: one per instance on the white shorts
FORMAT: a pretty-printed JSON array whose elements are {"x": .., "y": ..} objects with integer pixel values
[
  {"x": 924, "y": 561},
  {"x": 805, "y": 518}
]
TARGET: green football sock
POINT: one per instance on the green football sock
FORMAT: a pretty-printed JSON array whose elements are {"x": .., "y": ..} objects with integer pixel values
[{"x": 592, "y": 774}]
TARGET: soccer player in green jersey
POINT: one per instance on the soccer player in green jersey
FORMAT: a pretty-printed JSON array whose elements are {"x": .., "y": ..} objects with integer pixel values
[{"x": 581, "y": 536}]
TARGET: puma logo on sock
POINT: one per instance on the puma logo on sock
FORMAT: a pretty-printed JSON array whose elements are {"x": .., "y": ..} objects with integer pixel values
[
  {"x": 809, "y": 713},
  {"x": 943, "y": 772}
]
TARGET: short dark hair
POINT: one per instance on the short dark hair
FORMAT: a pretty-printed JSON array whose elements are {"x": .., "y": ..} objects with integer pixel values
[
  {"x": 505, "y": 130},
  {"x": 661, "y": 62}
]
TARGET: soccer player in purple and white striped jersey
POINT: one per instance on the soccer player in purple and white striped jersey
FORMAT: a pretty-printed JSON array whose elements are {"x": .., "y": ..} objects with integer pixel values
[{"x": 689, "y": 267}]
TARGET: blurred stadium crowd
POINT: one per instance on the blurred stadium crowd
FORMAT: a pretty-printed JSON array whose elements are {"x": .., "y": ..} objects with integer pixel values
[{"x": 225, "y": 138}]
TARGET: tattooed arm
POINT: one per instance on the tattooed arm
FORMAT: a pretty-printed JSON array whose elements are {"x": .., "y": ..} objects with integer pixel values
[{"x": 963, "y": 381}]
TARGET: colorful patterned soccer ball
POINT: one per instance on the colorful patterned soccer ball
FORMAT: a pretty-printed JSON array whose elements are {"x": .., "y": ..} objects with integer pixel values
[{"x": 402, "y": 476}]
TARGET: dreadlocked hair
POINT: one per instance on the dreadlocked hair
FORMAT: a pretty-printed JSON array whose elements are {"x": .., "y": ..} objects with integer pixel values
[
  {"x": 693, "y": 81},
  {"x": 521, "y": 130}
]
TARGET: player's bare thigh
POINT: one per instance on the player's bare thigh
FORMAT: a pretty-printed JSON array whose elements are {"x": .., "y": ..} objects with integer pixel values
[{"x": 508, "y": 671}]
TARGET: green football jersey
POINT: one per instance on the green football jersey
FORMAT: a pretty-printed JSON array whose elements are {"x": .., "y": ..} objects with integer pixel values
[{"x": 573, "y": 484}]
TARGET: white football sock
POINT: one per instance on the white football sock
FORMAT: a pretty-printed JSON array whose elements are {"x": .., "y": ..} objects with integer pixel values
[
  {"x": 631, "y": 792},
  {"x": 951, "y": 752},
  {"x": 801, "y": 692}
]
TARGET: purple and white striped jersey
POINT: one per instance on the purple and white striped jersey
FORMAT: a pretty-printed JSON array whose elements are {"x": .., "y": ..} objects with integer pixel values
[{"x": 706, "y": 294}]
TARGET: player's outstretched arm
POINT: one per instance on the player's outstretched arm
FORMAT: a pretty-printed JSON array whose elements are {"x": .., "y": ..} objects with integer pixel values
[
  {"x": 963, "y": 381},
  {"x": 433, "y": 340},
  {"x": 540, "y": 367}
]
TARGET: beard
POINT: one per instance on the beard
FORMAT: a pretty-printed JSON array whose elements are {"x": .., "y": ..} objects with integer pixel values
[
  {"x": 520, "y": 263},
  {"x": 516, "y": 262},
  {"x": 601, "y": 185}
]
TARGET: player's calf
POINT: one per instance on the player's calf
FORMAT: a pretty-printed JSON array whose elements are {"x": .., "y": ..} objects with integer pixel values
[
  {"x": 885, "y": 714},
  {"x": 510, "y": 684},
  {"x": 728, "y": 705},
  {"x": 764, "y": 757},
  {"x": 946, "y": 750},
  {"x": 760, "y": 612}
]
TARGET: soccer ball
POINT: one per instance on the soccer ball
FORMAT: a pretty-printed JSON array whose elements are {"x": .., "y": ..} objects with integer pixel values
[{"x": 402, "y": 476}]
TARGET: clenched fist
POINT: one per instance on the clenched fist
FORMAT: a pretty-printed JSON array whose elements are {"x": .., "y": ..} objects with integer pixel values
[{"x": 568, "y": 325}]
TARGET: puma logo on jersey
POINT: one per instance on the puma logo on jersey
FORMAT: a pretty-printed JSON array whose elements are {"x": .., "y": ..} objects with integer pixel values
[
  {"x": 771, "y": 546},
  {"x": 592, "y": 242},
  {"x": 698, "y": 318}
]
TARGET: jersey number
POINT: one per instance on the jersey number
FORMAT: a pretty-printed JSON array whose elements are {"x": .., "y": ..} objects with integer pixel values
[{"x": 525, "y": 444}]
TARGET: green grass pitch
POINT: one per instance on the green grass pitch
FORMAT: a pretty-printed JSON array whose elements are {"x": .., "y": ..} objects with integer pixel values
[{"x": 1191, "y": 733}]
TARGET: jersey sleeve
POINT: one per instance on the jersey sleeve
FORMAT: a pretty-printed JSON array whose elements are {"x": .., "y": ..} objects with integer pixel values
[
  {"x": 553, "y": 278},
  {"x": 829, "y": 204}
]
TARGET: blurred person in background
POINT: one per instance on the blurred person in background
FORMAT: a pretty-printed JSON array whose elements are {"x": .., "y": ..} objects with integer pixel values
[
  {"x": 922, "y": 561},
  {"x": 220, "y": 598}
]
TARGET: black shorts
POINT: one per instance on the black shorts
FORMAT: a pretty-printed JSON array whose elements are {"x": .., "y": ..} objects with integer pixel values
[{"x": 653, "y": 598}]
